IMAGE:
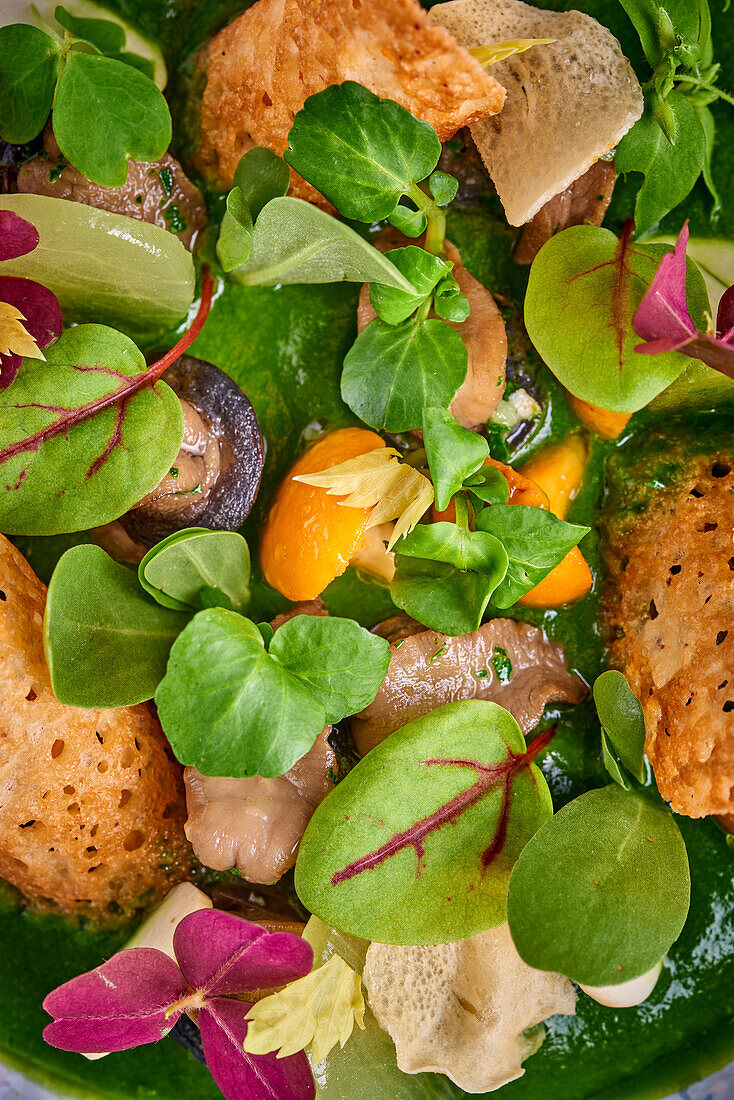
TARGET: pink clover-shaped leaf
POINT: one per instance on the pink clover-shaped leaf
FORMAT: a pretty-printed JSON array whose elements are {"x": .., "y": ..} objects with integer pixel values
[
  {"x": 42, "y": 315},
  {"x": 17, "y": 236}
]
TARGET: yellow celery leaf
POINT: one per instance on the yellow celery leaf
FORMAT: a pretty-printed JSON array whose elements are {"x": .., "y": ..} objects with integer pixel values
[
  {"x": 14, "y": 337},
  {"x": 380, "y": 481},
  {"x": 320, "y": 1009},
  {"x": 498, "y": 51}
]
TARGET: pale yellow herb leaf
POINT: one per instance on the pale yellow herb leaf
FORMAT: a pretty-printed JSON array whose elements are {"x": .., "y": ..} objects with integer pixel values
[
  {"x": 320, "y": 1009},
  {"x": 498, "y": 51},
  {"x": 14, "y": 336},
  {"x": 380, "y": 481}
]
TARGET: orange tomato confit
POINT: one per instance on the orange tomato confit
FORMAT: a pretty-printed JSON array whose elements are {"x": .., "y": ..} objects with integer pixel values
[{"x": 310, "y": 537}]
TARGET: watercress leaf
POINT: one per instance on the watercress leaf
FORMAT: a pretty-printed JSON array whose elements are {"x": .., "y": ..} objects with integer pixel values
[
  {"x": 377, "y": 860},
  {"x": 107, "y": 36},
  {"x": 234, "y": 245},
  {"x": 144, "y": 65},
  {"x": 266, "y": 632},
  {"x": 448, "y": 301},
  {"x": 295, "y": 242},
  {"x": 443, "y": 187},
  {"x": 95, "y": 470},
  {"x": 197, "y": 565},
  {"x": 489, "y": 485},
  {"x": 261, "y": 175},
  {"x": 644, "y": 16},
  {"x": 584, "y": 289},
  {"x": 412, "y": 223},
  {"x": 341, "y": 662},
  {"x": 105, "y": 267},
  {"x": 360, "y": 151},
  {"x": 622, "y": 720},
  {"x": 423, "y": 271},
  {"x": 535, "y": 541},
  {"x": 475, "y": 550},
  {"x": 454, "y": 453},
  {"x": 392, "y": 372},
  {"x": 602, "y": 891},
  {"x": 670, "y": 169},
  {"x": 612, "y": 763},
  {"x": 440, "y": 596},
  {"x": 29, "y": 67},
  {"x": 106, "y": 641},
  {"x": 125, "y": 117},
  {"x": 229, "y": 708}
]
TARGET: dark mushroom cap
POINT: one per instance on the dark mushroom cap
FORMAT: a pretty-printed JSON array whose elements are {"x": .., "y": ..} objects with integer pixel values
[{"x": 226, "y": 505}]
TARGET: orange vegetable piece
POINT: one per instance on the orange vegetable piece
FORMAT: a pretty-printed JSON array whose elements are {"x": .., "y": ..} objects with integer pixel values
[
  {"x": 559, "y": 470},
  {"x": 604, "y": 422},
  {"x": 309, "y": 536},
  {"x": 570, "y": 580}
]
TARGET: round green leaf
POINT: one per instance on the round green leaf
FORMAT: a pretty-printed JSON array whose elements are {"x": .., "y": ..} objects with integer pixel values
[
  {"x": 416, "y": 845},
  {"x": 392, "y": 372},
  {"x": 125, "y": 117},
  {"x": 602, "y": 891},
  {"x": 106, "y": 641},
  {"x": 97, "y": 469},
  {"x": 196, "y": 560},
  {"x": 29, "y": 67},
  {"x": 261, "y": 176},
  {"x": 228, "y": 707},
  {"x": 584, "y": 289}
]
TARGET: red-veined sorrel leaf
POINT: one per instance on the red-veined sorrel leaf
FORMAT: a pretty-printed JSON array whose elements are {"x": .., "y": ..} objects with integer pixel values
[
  {"x": 17, "y": 236},
  {"x": 86, "y": 434},
  {"x": 243, "y": 1076},
  {"x": 417, "y": 844},
  {"x": 122, "y": 1004},
  {"x": 137, "y": 996},
  {"x": 664, "y": 323},
  {"x": 584, "y": 289},
  {"x": 41, "y": 318}
]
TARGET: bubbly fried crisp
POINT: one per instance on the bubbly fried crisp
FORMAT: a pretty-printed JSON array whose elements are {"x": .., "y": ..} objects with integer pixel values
[
  {"x": 91, "y": 804},
  {"x": 670, "y": 613},
  {"x": 262, "y": 67}
]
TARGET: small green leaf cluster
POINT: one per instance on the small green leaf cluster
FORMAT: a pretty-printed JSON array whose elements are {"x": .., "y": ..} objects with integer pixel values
[
  {"x": 234, "y": 698},
  {"x": 584, "y": 289},
  {"x": 105, "y": 105},
  {"x": 672, "y": 144},
  {"x": 447, "y": 572}
]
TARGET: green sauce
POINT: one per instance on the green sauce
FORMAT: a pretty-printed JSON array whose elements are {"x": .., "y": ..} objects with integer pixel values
[{"x": 285, "y": 347}]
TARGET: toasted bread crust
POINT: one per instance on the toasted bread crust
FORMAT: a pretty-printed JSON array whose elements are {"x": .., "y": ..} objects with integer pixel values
[
  {"x": 670, "y": 612},
  {"x": 262, "y": 67},
  {"x": 91, "y": 803}
]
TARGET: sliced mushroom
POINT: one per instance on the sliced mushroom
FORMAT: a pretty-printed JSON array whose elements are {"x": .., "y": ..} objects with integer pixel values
[
  {"x": 159, "y": 192},
  {"x": 483, "y": 333},
  {"x": 584, "y": 202},
  {"x": 215, "y": 478},
  {"x": 472, "y": 1010},
  {"x": 256, "y": 824},
  {"x": 509, "y": 663}
]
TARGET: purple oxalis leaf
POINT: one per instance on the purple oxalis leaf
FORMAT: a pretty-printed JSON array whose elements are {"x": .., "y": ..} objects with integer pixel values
[
  {"x": 222, "y": 954},
  {"x": 242, "y": 1076},
  {"x": 121, "y": 1004},
  {"x": 17, "y": 236},
  {"x": 663, "y": 321},
  {"x": 42, "y": 315}
]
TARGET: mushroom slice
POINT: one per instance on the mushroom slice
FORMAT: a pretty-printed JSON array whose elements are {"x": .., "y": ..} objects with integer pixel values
[
  {"x": 483, "y": 332},
  {"x": 568, "y": 103},
  {"x": 585, "y": 202},
  {"x": 159, "y": 192},
  {"x": 256, "y": 824},
  {"x": 215, "y": 478},
  {"x": 506, "y": 662},
  {"x": 472, "y": 1010}
]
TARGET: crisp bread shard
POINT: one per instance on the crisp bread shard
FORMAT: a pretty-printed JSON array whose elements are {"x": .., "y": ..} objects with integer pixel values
[
  {"x": 91, "y": 805},
  {"x": 262, "y": 67},
  {"x": 669, "y": 609},
  {"x": 567, "y": 104}
]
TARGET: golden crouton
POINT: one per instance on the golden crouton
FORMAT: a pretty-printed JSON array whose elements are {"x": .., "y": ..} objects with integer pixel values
[
  {"x": 670, "y": 611},
  {"x": 91, "y": 805},
  {"x": 262, "y": 67}
]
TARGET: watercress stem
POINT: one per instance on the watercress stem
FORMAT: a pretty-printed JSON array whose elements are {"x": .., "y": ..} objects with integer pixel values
[
  {"x": 436, "y": 231},
  {"x": 461, "y": 504},
  {"x": 688, "y": 79}
]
